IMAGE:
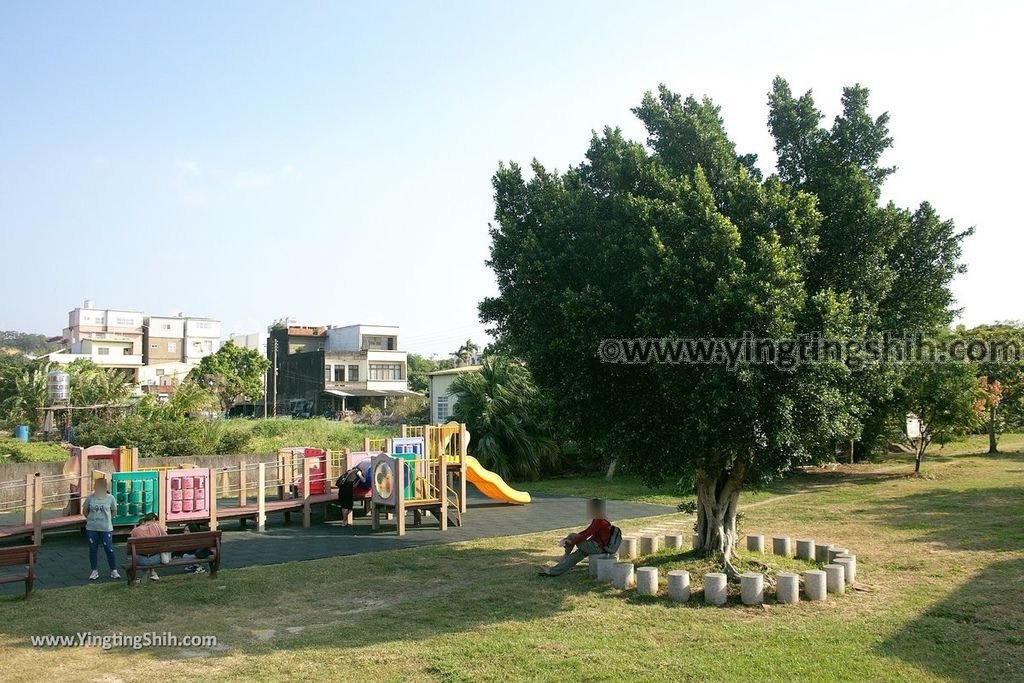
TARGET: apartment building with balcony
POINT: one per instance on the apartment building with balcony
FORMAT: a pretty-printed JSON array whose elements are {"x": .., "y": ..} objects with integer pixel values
[
  {"x": 111, "y": 338},
  {"x": 345, "y": 369}
]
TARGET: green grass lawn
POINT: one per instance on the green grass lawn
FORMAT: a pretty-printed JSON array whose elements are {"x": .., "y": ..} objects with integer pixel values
[{"x": 939, "y": 555}]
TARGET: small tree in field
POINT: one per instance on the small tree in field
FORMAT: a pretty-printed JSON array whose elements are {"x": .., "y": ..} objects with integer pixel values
[
  {"x": 948, "y": 400},
  {"x": 684, "y": 238},
  {"x": 232, "y": 373}
]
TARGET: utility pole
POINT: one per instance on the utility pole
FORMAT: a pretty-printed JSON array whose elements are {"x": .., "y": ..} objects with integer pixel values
[{"x": 275, "y": 378}]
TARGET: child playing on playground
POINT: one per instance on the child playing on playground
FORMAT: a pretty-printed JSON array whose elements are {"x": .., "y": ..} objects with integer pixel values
[
  {"x": 148, "y": 527},
  {"x": 347, "y": 484},
  {"x": 99, "y": 509},
  {"x": 593, "y": 540}
]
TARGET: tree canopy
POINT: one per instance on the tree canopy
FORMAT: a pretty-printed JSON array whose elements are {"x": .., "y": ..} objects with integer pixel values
[
  {"x": 683, "y": 237},
  {"x": 233, "y": 373}
]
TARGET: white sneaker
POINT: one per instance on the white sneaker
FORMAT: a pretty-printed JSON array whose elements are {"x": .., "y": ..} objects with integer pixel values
[
  {"x": 154, "y": 577},
  {"x": 188, "y": 556},
  {"x": 114, "y": 575},
  {"x": 95, "y": 575}
]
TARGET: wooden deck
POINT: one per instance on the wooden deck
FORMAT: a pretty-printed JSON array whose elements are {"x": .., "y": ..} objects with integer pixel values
[{"x": 51, "y": 524}]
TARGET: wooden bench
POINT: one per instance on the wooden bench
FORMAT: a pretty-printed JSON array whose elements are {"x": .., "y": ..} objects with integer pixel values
[
  {"x": 173, "y": 543},
  {"x": 24, "y": 555}
]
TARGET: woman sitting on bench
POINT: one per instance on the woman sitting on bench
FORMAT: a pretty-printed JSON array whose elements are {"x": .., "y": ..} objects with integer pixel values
[{"x": 148, "y": 527}]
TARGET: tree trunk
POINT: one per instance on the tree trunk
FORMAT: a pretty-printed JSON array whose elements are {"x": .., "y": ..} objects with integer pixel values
[
  {"x": 718, "y": 495},
  {"x": 993, "y": 446},
  {"x": 610, "y": 474},
  {"x": 921, "y": 447}
]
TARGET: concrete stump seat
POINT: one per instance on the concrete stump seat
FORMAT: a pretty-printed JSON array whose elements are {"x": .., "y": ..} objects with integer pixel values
[
  {"x": 715, "y": 588},
  {"x": 694, "y": 541},
  {"x": 630, "y": 548},
  {"x": 755, "y": 543},
  {"x": 834, "y": 578},
  {"x": 814, "y": 584},
  {"x": 679, "y": 585},
  {"x": 849, "y": 563},
  {"x": 752, "y": 588},
  {"x": 836, "y": 551},
  {"x": 592, "y": 563},
  {"x": 623, "y": 575},
  {"x": 649, "y": 545},
  {"x": 805, "y": 548},
  {"x": 647, "y": 580},
  {"x": 821, "y": 551},
  {"x": 781, "y": 546},
  {"x": 787, "y": 588},
  {"x": 604, "y": 568},
  {"x": 674, "y": 541}
]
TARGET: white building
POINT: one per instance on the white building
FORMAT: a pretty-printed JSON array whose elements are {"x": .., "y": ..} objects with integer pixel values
[
  {"x": 254, "y": 341},
  {"x": 439, "y": 383},
  {"x": 202, "y": 337},
  {"x": 110, "y": 338}
]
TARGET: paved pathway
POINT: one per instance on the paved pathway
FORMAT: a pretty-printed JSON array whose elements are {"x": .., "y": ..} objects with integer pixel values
[{"x": 63, "y": 558}]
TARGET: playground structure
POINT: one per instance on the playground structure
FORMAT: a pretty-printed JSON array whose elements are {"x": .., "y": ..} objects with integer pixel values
[{"x": 429, "y": 470}]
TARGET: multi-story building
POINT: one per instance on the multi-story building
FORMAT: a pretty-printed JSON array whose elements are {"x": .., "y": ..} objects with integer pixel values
[
  {"x": 442, "y": 401},
  {"x": 164, "y": 340},
  {"x": 254, "y": 341},
  {"x": 295, "y": 339},
  {"x": 345, "y": 369},
  {"x": 202, "y": 337},
  {"x": 111, "y": 338}
]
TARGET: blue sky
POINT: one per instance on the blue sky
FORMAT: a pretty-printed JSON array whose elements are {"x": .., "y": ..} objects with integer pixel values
[{"x": 331, "y": 161}]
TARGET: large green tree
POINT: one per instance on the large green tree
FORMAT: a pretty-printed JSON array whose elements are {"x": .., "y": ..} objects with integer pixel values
[
  {"x": 684, "y": 238},
  {"x": 233, "y": 373},
  {"x": 891, "y": 265}
]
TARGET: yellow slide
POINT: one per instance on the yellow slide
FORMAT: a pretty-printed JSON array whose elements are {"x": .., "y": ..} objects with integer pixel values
[{"x": 491, "y": 485}]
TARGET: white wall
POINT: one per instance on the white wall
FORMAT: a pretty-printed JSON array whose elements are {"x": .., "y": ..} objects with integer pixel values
[{"x": 166, "y": 327}]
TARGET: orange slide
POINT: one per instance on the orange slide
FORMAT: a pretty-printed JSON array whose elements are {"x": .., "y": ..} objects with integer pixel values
[{"x": 491, "y": 485}]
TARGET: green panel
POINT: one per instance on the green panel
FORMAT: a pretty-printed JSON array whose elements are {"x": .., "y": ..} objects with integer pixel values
[
  {"x": 409, "y": 475},
  {"x": 135, "y": 493}
]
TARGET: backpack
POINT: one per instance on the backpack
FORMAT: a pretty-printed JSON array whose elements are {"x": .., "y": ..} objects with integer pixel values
[{"x": 614, "y": 539}]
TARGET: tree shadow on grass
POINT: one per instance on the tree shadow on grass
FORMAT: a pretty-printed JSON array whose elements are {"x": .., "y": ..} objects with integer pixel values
[
  {"x": 975, "y": 519},
  {"x": 338, "y": 603},
  {"x": 979, "y": 622}
]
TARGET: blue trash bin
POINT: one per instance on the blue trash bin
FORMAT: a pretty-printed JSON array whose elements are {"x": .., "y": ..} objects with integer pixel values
[{"x": 21, "y": 433}]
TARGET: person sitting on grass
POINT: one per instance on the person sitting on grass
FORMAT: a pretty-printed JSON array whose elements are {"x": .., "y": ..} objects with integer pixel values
[
  {"x": 593, "y": 540},
  {"x": 148, "y": 527},
  {"x": 198, "y": 553}
]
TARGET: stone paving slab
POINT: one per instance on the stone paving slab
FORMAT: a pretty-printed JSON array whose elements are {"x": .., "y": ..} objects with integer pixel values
[{"x": 63, "y": 558}]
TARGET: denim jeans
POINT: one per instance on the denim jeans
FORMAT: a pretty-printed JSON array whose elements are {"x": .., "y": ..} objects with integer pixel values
[
  {"x": 104, "y": 538},
  {"x": 573, "y": 556}
]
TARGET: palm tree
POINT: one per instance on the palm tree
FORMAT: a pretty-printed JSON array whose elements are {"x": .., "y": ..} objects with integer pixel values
[
  {"x": 500, "y": 405},
  {"x": 92, "y": 385},
  {"x": 465, "y": 353}
]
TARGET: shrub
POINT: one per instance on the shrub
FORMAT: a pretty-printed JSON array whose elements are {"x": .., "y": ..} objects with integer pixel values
[
  {"x": 151, "y": 437},
  {"x": 33, "y": 451},
  {"x": 270, "y": 428},
  {"x": 234, "y": 441}
]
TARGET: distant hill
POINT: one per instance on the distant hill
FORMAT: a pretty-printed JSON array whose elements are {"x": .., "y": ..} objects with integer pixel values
[{"x": 25, "y": 342}]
